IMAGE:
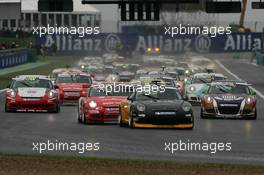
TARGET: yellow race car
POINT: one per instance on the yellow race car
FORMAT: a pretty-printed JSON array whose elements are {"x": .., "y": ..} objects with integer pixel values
[{"x": 162, "y": 109}]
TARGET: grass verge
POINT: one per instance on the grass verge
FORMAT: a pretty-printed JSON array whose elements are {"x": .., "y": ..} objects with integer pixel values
[
  {"x": 53, "y": 62},
  {"x": 36, "y": 164},
  {"x": 23, "y": 42}
]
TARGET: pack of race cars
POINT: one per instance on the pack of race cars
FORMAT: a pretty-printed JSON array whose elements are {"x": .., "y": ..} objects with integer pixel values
[{"x": 110, "y": 90}]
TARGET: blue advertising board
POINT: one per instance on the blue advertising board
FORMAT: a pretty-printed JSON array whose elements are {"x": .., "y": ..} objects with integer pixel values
[
  {"x": 9, "y": 58},
  {"x": 104, "y": 42}
]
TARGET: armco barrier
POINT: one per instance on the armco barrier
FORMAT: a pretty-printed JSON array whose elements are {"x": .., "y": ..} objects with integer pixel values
[{"x": 13, "y": 57}]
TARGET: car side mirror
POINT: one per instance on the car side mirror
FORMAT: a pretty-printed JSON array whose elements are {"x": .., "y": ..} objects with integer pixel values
[
  {"x": 8, "y": 86},
  {"x": 254, "y": 93},
  {"x": 56, "y": 87}
]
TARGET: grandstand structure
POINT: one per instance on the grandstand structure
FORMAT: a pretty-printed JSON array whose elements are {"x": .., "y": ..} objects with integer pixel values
[
  {"x": 31, "y": 16},
  {"x": 174, "y": 14}
]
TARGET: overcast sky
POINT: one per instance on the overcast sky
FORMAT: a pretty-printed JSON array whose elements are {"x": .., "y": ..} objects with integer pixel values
[{"x": 110, "y": 12}]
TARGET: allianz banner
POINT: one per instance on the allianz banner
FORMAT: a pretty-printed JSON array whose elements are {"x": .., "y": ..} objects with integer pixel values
[
  {"x": 13, "y": 57},
  {"x": 104, "y": 42}
]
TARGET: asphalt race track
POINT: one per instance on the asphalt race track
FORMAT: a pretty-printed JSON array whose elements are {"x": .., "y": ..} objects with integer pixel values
[{"x": 19, "y": 130}]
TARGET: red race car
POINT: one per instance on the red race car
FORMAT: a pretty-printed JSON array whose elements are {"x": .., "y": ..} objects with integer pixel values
[
  {"x": 102, "y": 104},
  {"x": 72, "y": 86},
  {"x": 32, "y": 93}
]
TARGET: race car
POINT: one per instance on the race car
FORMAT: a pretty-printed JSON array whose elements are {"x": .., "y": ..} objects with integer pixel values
[
  {"x": 179, "y": 82},
  {"x": 168, "y": 81},
  {"x": 199, "y": 85},
  {"x": 126, "y": 76},
  {"x": 164, "y": 108},
  {"x": 72, "y": 86},
  {"x": 31, "y": 93},
  {"x": 229, "y": 100},
  {"x": 101, "y": 104},
  {"x": 100, "y": 75},
  {"x": 55, "y": 73},
  {"x": 140, "y": 73}
]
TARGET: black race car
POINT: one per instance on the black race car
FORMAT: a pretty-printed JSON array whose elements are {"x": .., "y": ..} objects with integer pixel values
[
  {"x": 228, "y": 99},
  {"x": 164, "y": 108}
]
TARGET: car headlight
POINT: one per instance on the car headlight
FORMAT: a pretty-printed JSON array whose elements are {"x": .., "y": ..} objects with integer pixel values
[
  {"x": 192, "y": 88},
  {"x": 82, "y": 66},
  {"x": 209, "y": 99},
  {"x": 92, "y": 104},
  {"x": 187, "y": 72},
  {"x": 186, "y": 107},
  {"x": 12, "y": 93},
  {"x": 249, "y": 100},
  {"x": 149, "y": 49},
  {"x": 141, "y": 107},
  {"x": 113, "y": 78},
  {"x": 51, "y": 94}
]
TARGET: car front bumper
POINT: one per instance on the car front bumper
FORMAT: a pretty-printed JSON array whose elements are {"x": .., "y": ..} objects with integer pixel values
[
  {"x": 32, "y": 106},
  {"x": 179, "y": 121}
]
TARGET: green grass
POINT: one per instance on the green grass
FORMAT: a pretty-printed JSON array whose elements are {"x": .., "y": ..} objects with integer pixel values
[
  {"x": 53, "y": 63},
  {"x": 78, "y": 165},
  {"x": 23, "y": 42}
]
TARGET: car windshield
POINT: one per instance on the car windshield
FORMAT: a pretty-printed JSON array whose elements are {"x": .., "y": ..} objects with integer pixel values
[
  {"x": 217, "y": 78},
  {"x": 64, "y": 79},
  {"x": 168, "y": 94},
  {"x": 201, "y": 80},
  {"x": 232, "y": 89},
  {"x": 99, "y": 77},
  {"x": 180, "y": 72},
  {"x": 83, "y": 79},
  {"x": 41, "y": 83},
  {"x": 173, "y": 75},
  {"x": 74, "y": 79},
  {"x": 108, "y": 70},
  {"x": 168, "y": 82}
]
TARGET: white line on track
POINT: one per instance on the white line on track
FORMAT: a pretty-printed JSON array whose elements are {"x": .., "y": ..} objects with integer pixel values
[{"x": 235, "y": 76}]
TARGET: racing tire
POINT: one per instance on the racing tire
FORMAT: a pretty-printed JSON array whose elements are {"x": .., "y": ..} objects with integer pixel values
[
  {"x": 83, "y": 118},
  {"x": 255, "y": 116},
  {"x": 131, "y": 121},
  {"x": 7, "y": 110},
  {"x": 57, "y": 110},
  {"x": 192, "y": 122},
  {"x": 78, "y": 115},
  {"x": 120, "y": 121},
  {"x": 202, "y": 114}
]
